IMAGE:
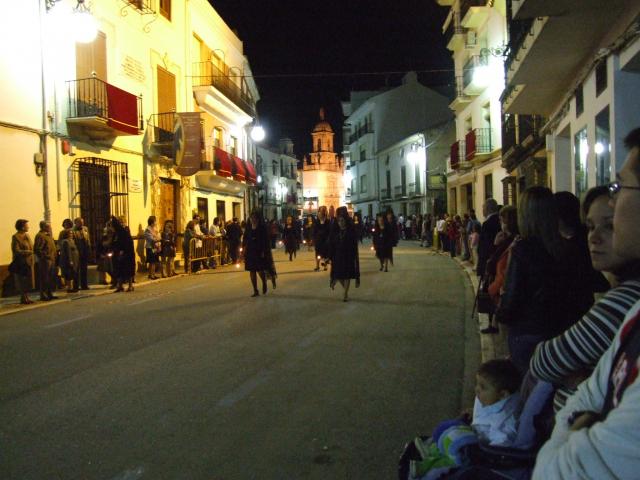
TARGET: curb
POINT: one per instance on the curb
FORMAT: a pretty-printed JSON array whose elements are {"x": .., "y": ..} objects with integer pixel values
[
  {"x": 491, "y": 346},
  {"x": 92, "y": 292}
]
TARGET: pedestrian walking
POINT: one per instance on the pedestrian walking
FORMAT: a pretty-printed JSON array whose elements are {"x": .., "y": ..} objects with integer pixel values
[
  {"x": 321, "y": 232},
  {"x": 308, "y": 232},
  {"x": 343, "y": 245},
  {"x": 256, "y": 250},
  {"x": 153, "y": 247},
  {"x": 124, "y": 258},
  {"x": 393, "y": 223},
  {"x": 83, "y": 244},
  {"x": 290, "y": 238},
  {"x": 168, "y": 248},
  {"x": 383, "y": 242},
  {"x": 22, "y": 263},
  {"x": 46, "y": 253}
]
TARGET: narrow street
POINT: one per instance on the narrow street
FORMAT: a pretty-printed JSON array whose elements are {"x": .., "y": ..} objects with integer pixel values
[{"x": 192, "y": 379}]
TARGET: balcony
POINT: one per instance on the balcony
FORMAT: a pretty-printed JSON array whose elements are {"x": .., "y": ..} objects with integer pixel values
[
  {"x": 462, "y": 99},
  {"x": 454, "y": 34},
  {"x": 209, "y": 80},
  {"x": 400, "y": 191},
  {"x": 543, "y": 63},
  {"x": 478, "y": 143},
  {"x": 414, "y": 190},
  {"x": 470, "y": 83},
  {"x": 100, "y": 110},
  {"x": 520, "y": 138},
  {"x": 359, "y": 133},
  {"x": 474, "y": 12},
  {"x": 384, "y": 193}
]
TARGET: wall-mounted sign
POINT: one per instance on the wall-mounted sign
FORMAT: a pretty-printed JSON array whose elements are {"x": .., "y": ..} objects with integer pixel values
[
  {"x": 135, "y": 186},
  {"x": 187, "y": 143},
  {"x": 132, "y": 68}
]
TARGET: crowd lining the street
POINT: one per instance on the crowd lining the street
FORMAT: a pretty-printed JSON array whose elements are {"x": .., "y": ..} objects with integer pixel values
[
  {"x": 563, "y": 279},
  {"x": 570, "y": 385}
]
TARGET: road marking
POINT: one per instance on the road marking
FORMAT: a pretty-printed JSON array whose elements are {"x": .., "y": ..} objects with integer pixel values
[
  {"x": 142, "y": 301},
  {"x": 245, "y": 389},
  {"x": 77, "y": 319},
  {"x": 195, "y": 286},
  {"x": 130, "y": 474}
]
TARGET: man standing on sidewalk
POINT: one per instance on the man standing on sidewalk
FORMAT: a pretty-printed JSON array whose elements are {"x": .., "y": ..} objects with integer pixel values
[
  {"x": 490, "y": 229},
  {"x": 45, "y": 251},
  {"x": 81, "y": 237}
]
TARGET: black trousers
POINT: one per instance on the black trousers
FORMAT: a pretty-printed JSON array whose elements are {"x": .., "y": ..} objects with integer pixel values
[
  {"x": 81, "y": 274},
  {"x": 46, "y": 276}
]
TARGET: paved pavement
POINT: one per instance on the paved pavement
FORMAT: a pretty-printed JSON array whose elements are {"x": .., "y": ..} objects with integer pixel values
[{"x": 191, "y": 379}]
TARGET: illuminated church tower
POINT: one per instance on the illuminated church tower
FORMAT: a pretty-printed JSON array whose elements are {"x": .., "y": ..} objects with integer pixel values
[{"x": 322, "y": 172}]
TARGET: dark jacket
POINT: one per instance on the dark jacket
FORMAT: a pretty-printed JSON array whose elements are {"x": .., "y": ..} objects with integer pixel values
[
  {"x": 321, "y": 233},
  {"x": 343, "y": 252},
  {"x": 488, "y": 232},
  {"x": 256, "y": 248},
  {"x": 539, "y": 297},
  {"x": 383, "y": 241}
]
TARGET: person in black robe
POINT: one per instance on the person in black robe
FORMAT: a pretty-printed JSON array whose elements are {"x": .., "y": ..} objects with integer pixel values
[
  {"x": 124, "y": 258},
  {"x": 290, "y": 237},
  {"x": 383, "y": 239},
  {"x": 321, "y": 231},
  {"x": 256, "y": 249},
  {"x": 234, "y": 234},
  {"x": 308, "y": 232},
  {"x": 343, "y": 251}
]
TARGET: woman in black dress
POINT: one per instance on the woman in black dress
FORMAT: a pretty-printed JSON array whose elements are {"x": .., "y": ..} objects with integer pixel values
[
  {"x": 321, "y": 231},
  {"x": 124, "y": 258},
  {"x": 383, "y": 239},
  {"x": 290, "y": 236},
  {"x": 308, "y": 232},
  {"x": 256, "y": 249},
  {"x": 343, "y": 247}
]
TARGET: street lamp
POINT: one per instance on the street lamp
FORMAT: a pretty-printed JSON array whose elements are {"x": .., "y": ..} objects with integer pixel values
[{"x": 257, "y": 133}]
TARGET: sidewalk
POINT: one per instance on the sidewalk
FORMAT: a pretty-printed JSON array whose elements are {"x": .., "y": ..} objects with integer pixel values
[
  {"x": 9, "y": 305},
  {"x": 492, "y": 345}
]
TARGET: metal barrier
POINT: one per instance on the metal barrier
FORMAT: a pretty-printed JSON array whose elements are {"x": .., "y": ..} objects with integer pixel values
[{"x": 200, "y": 249}]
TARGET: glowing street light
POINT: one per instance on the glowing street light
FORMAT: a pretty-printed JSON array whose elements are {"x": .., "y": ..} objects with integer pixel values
[{"x": 257, "y": 133}]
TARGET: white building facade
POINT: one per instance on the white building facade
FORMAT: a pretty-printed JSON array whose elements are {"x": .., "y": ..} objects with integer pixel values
[
  {"x": 278, "y": 181},
  {"x": 573, "y": 72},
  {"x": 389, "y": 133},
  {"x": 476, "y": 33}
]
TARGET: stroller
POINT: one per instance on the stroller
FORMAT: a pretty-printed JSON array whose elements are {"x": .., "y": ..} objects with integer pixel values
[{"x": 481, "y": 461}]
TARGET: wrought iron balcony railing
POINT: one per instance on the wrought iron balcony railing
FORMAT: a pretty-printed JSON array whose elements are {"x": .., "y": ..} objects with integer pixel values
[
  {"x": 478, "y": 142},
  {"x": 209, "y": 74}
]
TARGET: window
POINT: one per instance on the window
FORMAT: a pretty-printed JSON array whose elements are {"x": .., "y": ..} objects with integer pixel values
[
  {"x": 388, "y": 184},
  {"x": 417, "y": 178},
  {"x": 601, "y": 77},
  {"x": 581, "y": 155},
  {"x": 488, "y": 186},
  {"x": 363, "y": 154},
  {"x": 233, "y": 146},
  {"x": 386, "y": 162},
  {"x": 217, "y": 137},
  {"x": 401, "y": 153},
  {"x": 403, "y": 180},
  {"x": 353, "y": 185},
  {"x": 319, "y": 147},
  {"x": 603, "y": 148},
  {"x": 165, "y": 8},
  {"x": 579, "y": 101},
  {"x": 363, "y": 184},
  {"x": 274, "y": 168}
]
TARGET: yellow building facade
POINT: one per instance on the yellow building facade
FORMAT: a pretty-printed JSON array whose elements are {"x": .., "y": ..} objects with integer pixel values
[{"x": 149, "y": 118}]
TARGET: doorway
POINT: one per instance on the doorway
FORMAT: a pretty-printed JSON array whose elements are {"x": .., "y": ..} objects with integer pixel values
[
  {"x": 237, "y": 211},
  {"x": 203, "y": 210},
  {"x": 168, "y": 206},
  {"x": 220, "y": 210}
]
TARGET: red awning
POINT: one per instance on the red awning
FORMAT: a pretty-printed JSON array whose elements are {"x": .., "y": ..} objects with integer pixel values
[
  {"x": 221, "y": 162},
  {"x": 123, "y": 110},
  {"x": 237, "y": 168},
  {"x": 251, "y": 172}
]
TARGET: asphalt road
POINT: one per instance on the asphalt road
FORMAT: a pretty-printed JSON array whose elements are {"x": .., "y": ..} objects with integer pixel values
[{"x": 192, "y": 379}]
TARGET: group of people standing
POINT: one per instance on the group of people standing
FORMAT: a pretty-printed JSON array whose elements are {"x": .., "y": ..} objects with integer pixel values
[{"x": 67, "y": 259}]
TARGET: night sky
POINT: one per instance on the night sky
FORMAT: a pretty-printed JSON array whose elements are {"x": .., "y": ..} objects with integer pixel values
[{"x": 332, "y": 43}]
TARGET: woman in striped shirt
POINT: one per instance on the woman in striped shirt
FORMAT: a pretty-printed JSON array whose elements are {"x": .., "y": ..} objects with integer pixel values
[{"x": 569, "y": 358}]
